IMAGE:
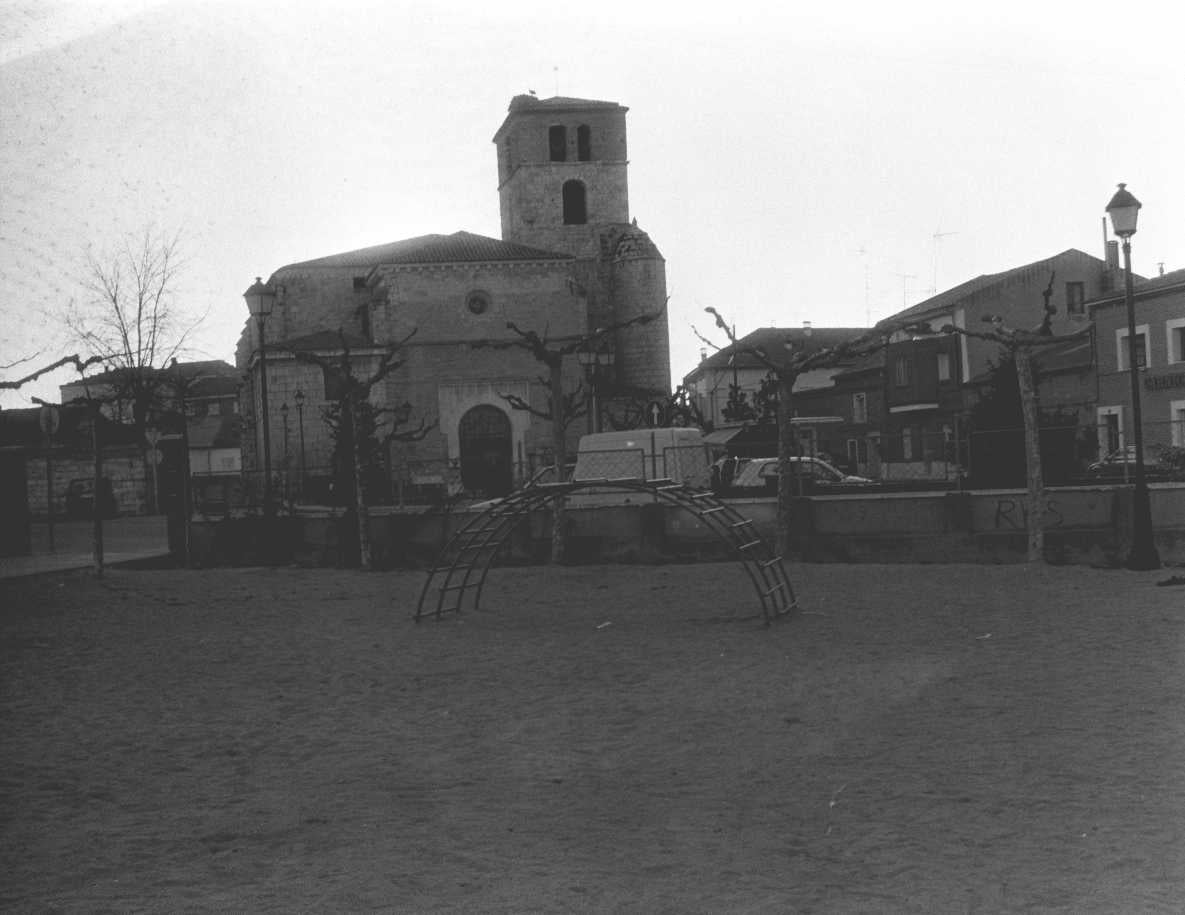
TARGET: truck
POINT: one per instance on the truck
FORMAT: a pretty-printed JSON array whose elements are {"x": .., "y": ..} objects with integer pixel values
[{"x": 674, "y": 453}]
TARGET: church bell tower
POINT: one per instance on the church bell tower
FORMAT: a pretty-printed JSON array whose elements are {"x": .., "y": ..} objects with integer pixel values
[{"x": 562, "y": 172}]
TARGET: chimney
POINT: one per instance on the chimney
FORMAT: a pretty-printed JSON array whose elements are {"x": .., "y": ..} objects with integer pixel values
[
  {"x": 1112, "y": 255},
  {"x": 806, "y": 328}
]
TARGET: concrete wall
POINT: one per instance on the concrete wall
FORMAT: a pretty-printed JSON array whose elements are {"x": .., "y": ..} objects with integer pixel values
[{"x": 1087, "y": 526}]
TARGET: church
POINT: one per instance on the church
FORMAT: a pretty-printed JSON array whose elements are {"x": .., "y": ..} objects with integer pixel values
[{"x": 570, "y": 261}]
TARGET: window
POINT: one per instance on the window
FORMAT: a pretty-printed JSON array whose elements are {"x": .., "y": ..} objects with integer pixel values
[
  {"x": 1110, "y": 429},
  {"x": 1174, "y": 333},
  {"x": 557, "y": 142},
  {"x": 860, "y": 407},
  {"x": 1122, "y": 348},
  {"x": 907, "y": 443},
  {"x": 335, "y": 384},
  {"x": 583, "y": 143},
  {"x": 902, "y": 371},
  {"x": 1177, "y": 421},
  {"x": 944, "y": 366},
  {"x": 477, "y": 302},
  {"x": 575, "y": 209},
  {"x": 1075, "y": 298}
]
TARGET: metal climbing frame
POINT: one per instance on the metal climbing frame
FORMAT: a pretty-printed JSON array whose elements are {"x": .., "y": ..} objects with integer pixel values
[{"x": 460, "y": 570}]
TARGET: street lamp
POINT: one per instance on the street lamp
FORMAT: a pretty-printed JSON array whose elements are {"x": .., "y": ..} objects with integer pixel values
[
  {"x": 1124, "y": 210},
  {"x": 596, "y": 364},
  {"x": 261, "y": 297},
  {"x": 284, "y": 417},
  {"x": 299, "y": 398}
]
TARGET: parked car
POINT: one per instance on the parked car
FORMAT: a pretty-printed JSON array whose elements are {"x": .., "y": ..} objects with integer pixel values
[
  {"x": 80, "y": 498},
  {"x": 1121, "y": 465},
  {"x": 760, "y": 475}
]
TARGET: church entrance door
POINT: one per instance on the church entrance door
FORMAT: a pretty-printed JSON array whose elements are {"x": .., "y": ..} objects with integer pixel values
[{"x": 487, "y": 452}]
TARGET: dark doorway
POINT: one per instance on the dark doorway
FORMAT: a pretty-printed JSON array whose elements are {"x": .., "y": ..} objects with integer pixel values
[
  {"x": 14, "y": 505},
  {"x": 486, "y": 451}
]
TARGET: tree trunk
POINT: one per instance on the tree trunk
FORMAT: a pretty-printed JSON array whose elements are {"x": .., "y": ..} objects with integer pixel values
[
  {"x": 1035, "y": 501},
  {"x": 361, "y": 512},
  {"x": 97, "y": 504},
  {"x": 559, "y": 533},
  {"x": 786, "y": 450}
]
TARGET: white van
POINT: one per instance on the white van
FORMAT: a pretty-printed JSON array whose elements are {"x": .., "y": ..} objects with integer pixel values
[{"x": 674, "y": 453}]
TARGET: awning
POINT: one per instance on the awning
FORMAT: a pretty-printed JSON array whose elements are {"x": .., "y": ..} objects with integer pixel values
[{"x": 723, "y": 436}]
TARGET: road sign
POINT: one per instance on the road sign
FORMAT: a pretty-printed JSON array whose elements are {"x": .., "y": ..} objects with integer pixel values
[
  {"x": 654, "y": 413},
  {"x": 50, "y": 419}
]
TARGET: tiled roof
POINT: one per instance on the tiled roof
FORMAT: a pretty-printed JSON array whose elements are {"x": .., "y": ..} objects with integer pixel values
[
  {"x": 771, "y": 340},
  {"x": 556, "y": 102},
  {"x": 458, "y": 248},
  {"x": 956, "y": 294},
  {"x": 191, "y": 371}
]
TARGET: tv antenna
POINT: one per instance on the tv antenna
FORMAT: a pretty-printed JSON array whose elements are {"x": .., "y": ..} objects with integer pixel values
[
  {"x": 936, "y": 238},
  {"x": 863, "y": 252},
  {"x": 905, "y": 278},
  {"x": 556, "y": 73}
]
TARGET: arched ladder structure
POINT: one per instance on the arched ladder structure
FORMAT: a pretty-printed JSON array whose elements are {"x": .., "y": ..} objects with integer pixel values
[{"x": 460, "y": 570}]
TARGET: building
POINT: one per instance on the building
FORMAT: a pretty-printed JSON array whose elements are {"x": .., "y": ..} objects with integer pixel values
[
  {"x": 931, "y": 379},
  {"x": 207, "y": 392},
  {"x": 823, "y": 417},
  {"x": 1160, "y": 340},
  {"x": 570, "y": 261}
]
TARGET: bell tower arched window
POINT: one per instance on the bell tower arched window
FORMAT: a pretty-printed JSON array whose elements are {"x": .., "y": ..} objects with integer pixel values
[
  {"x": 575, "y": 208},
  {"x": 557, "y": 142},
  {"x": 583, "y": 143}
]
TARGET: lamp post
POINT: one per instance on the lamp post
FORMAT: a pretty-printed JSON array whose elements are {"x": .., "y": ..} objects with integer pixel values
[
  {"x": 261, "y": 297},
  {"x": 284, "y": 416},
  {"x": 299, "y": 398},
  {"x": 1124, "y": 210},
  {"x": 595, "y": 364}
]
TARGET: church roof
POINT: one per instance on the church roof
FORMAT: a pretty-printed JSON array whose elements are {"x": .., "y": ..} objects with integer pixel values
[
  {"x": 556, "y": 102},
  {"x": 458, "y": 248}
]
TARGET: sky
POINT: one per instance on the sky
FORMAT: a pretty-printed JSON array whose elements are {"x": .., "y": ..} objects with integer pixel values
[{"x": 831, "y": 163}]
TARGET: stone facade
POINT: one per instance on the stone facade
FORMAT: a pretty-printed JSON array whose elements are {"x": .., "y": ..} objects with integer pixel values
[{"x": 570, "y": 262}]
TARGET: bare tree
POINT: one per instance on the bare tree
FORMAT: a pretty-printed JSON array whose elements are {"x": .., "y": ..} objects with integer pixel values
[
  {"x": 786, "y": 367},
  {"x": 1021, "y": 346},
  {"x": 353, "y": 401},
  {"x": 563, "y": 407},
  {"x": 129, "y": 319}
]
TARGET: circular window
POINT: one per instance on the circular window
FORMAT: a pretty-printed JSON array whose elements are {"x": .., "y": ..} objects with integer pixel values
[{"x": 477, "y": 302}]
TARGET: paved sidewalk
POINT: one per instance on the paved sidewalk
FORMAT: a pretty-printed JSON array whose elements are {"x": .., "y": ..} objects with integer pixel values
[{"x": 124, "y": 540}]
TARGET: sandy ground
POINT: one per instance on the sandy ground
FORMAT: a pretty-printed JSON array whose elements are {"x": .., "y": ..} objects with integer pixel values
[{"x": 918, "y": 739}]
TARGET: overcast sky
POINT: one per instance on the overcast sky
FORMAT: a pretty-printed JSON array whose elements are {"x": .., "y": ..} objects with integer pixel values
[{"x": 793, "y": 162}]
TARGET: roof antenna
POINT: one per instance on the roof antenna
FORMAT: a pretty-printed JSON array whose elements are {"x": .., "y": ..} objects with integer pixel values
[
  {"x": 937, "y": 237},
  {"x": 556, "y": 71}
]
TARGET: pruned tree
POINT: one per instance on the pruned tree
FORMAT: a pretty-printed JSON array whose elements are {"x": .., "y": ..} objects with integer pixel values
[
  {"x": 79, "y": 364},
  {"x": 784, "y": 370},
  {"x": 129, "y": 320},
  {"x": 356, "y": 423},
  {"x": 1021, "y": 345},
  {"x": 562, "y": 407}
]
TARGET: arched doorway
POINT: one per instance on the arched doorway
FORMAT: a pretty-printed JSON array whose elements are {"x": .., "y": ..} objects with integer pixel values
[{"x": 487, "y": 452}]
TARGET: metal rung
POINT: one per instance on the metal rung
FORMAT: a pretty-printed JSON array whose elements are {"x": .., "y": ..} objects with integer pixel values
[
  {"x": 703, "y": 495},
  {"x": 711, "y": 511},
  {"x": 672, "y": 486},
  {"x": 459, "y": 587},
  {"x": 749, "y": 545},
  {"x": 742, "y": 522},
  {"x": 780, "y": 587},
  {"x": 771, "y": 562}
]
